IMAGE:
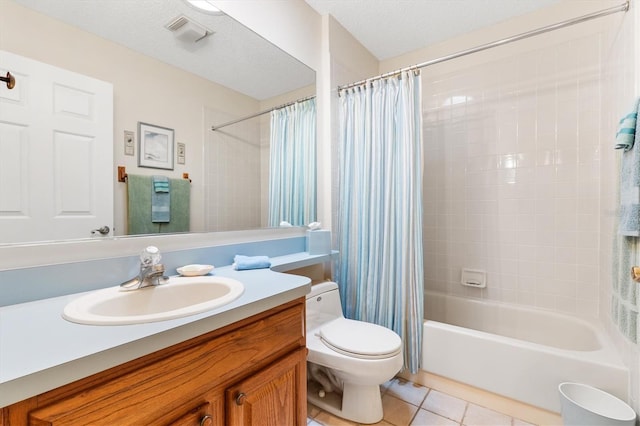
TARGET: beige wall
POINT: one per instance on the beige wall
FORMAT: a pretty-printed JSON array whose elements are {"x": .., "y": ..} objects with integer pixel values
[
  {"x": 142, "y": 92},
  {"x": 350, "y": 61}
]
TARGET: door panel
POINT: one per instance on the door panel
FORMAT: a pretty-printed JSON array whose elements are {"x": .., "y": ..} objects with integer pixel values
[{"x": 56, "y": 153}]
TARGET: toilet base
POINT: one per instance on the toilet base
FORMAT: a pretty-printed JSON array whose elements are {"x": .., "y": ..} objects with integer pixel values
[{"x": 361, "y": 404}]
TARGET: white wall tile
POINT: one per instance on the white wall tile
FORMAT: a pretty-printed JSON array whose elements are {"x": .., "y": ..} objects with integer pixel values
[
  {"x": 544, "y": 228},
  {"x": 524, "y": 182}
]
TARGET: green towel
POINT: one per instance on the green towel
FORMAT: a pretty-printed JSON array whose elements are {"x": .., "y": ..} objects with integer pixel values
[
  {"x": 139, "y": 206},
  {"x": 180, "y": 207}
]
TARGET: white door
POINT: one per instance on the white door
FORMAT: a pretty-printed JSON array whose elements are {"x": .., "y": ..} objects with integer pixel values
[{"x": 56, "y": 153}]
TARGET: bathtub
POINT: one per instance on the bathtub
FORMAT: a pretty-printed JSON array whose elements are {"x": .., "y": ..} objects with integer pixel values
[{"x": 520, "y": 353}]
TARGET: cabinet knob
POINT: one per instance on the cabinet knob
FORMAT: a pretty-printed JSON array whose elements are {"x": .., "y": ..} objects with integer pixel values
[
  {"x": 206, "y": 420},
  {"x": 240, "y": 398}
]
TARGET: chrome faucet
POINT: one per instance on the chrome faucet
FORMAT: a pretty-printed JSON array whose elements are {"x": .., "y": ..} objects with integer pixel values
[{"x": 151, "y": 271}]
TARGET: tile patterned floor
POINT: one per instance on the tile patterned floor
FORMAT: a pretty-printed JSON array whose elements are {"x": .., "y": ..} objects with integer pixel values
[{"x": 405, "y": 403}]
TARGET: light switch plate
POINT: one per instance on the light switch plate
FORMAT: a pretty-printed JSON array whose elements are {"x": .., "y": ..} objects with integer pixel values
[
  {"x": 129, "y": 143},
  {"x": 181, "y": 153}
]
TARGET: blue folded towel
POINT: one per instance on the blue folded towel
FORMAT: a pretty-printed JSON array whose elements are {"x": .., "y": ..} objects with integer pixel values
[
  {"x": 160, "y": 200},
  {"x": 626, "y": 134},
  {"x": 629, "y": 213},
  {"x": 161, "y": 186},
  {"x": 250, "y": 262}
]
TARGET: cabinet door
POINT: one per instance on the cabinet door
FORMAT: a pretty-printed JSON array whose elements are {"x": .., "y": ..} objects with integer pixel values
[{"x": 275, "y": 396}]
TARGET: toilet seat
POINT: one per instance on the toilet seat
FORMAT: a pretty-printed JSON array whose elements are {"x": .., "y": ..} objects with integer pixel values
[{"x": 360, "y": 339}]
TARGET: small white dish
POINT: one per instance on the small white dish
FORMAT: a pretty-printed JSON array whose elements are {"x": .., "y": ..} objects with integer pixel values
[{"x": 194, "y": 270}]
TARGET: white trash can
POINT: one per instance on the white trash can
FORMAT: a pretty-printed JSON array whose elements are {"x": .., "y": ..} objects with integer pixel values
[{"x": 584, "y": 405}]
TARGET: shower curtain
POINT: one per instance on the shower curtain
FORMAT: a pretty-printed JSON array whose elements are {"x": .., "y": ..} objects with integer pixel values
[
  {"x": 379, "y": 229},
  {"x": 292, "y": 168}
]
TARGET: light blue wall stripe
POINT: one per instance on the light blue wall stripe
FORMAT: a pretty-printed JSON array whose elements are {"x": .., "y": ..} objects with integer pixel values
[{"x": 28, "y": 284}]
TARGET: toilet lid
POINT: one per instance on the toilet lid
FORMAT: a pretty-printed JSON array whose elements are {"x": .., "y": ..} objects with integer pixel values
[{"x": 360, "y": 339}]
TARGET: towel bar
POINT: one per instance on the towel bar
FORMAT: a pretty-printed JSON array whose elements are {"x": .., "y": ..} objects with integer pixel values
[{"x": 122, "y": 175}]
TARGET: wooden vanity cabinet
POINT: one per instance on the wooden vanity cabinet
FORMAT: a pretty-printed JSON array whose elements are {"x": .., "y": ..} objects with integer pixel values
[{"x": 250, "y": 372}]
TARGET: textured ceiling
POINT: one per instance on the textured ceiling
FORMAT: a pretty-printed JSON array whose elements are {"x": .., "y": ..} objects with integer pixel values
[
  {"x": 233, "y": 56},
  {"x": 389, "y": 28}
]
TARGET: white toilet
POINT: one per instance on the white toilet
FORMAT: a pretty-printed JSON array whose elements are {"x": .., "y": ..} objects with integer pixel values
[{"x": 348, "y": 360}]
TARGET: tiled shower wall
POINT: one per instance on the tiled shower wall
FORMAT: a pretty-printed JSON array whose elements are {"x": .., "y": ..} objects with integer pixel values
[
  {"x": 233, "y": 176},
  {"x": 513, "y": 151}
]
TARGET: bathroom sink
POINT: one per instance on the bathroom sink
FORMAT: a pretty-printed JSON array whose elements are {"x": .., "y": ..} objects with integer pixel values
[{"x": 179, "y": 297}]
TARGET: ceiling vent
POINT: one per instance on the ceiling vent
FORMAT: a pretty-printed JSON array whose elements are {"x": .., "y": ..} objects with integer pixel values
[{"x": 186, "y": 30}]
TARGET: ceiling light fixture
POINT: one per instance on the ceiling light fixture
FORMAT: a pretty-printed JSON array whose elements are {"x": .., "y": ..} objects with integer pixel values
[{"x": 205, "y": 6}]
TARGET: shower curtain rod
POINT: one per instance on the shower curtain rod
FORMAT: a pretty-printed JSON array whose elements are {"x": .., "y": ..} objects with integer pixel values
[
  {"x": 615, "y": 9},
  {"x": 257, "y": 114}
]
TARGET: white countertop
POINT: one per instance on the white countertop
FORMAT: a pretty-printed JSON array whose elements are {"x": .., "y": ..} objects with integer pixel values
[{"x": 40, "y": 351}]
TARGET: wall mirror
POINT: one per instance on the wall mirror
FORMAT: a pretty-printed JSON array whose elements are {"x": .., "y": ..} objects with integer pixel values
[{"x": 173, "y": 66}]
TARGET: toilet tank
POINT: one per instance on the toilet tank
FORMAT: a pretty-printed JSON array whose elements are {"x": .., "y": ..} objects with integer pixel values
[{"x": 323, "y": 304}]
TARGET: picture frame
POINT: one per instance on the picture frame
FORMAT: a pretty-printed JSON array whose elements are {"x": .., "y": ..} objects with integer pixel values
[{"x": 155, "y": 146}]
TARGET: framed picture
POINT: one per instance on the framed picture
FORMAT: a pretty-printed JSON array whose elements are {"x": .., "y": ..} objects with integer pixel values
[{"x": 155, "y": 148}]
